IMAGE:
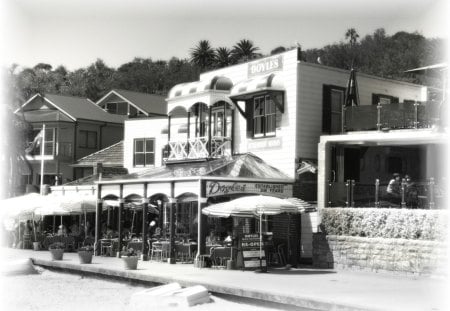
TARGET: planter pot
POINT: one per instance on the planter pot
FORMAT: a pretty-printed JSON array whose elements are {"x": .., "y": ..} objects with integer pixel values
[
  {"x": 85, "y": 256},
  {"x": 130, "y": 263},
  {"x": 36, "y": 246},
  {"x": 57, "y": 254}
]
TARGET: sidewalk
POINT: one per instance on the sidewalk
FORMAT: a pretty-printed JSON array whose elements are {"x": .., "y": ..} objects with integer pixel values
[{"x": 307, "y": 288}]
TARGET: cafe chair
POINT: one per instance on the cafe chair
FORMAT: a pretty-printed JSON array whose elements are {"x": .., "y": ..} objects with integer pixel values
[
  {"x": 156, "y": 250},
  {"x": 219, "y": 257},
  {"x": 106, "y": 248},
  {"x": 27, "y": 241}
]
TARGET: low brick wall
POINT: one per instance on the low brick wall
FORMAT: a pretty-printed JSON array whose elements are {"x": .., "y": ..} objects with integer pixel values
[{"x": 402, "y": 256}]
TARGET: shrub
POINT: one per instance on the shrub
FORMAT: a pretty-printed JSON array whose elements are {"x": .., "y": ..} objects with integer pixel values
[
  {"x": 386, "y": 223},
  {"x": 128, "y": 252},
  {"x": 57, "y": 245},
  {"x": 88, "y": 248}
]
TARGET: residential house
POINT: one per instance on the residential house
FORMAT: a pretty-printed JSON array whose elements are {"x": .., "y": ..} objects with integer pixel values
[{"x": 74, "y": 128}]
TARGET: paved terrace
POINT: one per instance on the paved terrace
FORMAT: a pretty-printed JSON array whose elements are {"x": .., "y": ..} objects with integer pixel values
[{"x": 310, "y": 289}]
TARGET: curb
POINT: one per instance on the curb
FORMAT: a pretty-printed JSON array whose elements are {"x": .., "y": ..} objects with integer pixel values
[{"x": 288, "y": 301}]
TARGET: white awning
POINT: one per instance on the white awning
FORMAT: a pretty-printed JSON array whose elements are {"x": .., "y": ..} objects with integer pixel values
[{"x": 248, "y": 88}]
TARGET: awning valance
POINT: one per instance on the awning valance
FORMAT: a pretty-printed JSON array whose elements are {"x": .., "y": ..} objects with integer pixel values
[
  {"x": 186, "y": 89},
  {"x": 246, "y": 89}
]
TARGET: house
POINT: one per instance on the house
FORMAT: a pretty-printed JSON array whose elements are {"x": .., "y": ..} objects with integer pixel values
[
  {"x": 243, "y": 129},
  {"x": 75, "y": 128},
  {"x": 133, "y": 104},
  {"x": 389, "y": 136}
]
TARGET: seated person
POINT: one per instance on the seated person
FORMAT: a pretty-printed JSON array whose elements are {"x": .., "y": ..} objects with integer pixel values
[
  {"x": 228, "y": 239},
  {"x": 393, "y": 189},
  {"x": 62, "y": 230},
  {"x": 74, "y": 230},
  {"x": 211, "y": 239}
]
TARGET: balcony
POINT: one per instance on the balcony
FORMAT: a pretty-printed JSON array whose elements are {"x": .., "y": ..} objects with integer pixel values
[
  {"x": 424, "y": 194},
  {"x": 392, "y": 116},
  {"x": 197, "y": 148}
]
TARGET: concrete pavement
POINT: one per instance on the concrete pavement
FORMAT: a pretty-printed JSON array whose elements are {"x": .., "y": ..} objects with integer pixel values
[{"x": 307, "y": 288}]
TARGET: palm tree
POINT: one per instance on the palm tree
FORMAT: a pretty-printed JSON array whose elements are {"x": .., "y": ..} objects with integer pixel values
[
  {"x": 203, "y": 55},
  {"x": 245, "y": 50},
  {"x": 223, "y": 57},
  {"x": 352, "y": 37}
]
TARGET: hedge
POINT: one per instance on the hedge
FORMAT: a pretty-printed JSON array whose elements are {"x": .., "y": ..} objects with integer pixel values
[{"x": 386, "y": 223}]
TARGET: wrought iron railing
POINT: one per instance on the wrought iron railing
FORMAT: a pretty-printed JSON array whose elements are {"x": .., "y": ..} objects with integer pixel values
[
  {"x": 407, "y": 115},
  {"x": 197, "y": 148},
  {"x": 424, "y": 195}
]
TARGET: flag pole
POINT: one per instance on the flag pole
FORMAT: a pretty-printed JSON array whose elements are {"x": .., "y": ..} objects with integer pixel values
[{"x": 42, "y": 159}]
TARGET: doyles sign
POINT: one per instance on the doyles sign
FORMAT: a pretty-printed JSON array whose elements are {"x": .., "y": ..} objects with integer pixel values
[
  {"x": 265, "y": 66},
  {"x": 216, "y": 188}
]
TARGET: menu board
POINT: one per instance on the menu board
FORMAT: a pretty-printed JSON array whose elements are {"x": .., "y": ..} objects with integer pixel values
[{"x": 250, "y": 246}]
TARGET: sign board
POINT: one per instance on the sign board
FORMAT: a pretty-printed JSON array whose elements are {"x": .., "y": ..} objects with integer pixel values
[
  {"x": 217, "y": 188},
  {"x": 250, "y": 246},
  {"x": 264, "y": 144},
  {"x": 265, "y": 65}
]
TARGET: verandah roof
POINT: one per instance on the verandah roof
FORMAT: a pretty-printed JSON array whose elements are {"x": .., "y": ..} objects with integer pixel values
[{"x": 238, "y": 166}]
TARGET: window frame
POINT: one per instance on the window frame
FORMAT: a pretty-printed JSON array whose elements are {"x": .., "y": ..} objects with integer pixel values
[
  {"x": 144, "y": 151},
  {"x": 263, "y": 116},
  {"x": 84, "y": 143}
]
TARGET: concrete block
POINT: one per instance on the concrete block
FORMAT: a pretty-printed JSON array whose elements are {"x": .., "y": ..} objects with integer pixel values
[
  {"x": 153, "y": 297},
  {"x": 190, "y": 296}
]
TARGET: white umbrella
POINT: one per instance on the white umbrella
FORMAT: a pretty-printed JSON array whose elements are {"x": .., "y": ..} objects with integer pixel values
[
  {"x": 22, "y": 206},
  {"x": 252, "y": 205}
]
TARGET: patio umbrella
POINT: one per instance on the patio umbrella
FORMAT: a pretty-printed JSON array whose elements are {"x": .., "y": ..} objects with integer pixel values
[
  {"x": 252, "y": 205},
  {"x": 351, "y": 93}
]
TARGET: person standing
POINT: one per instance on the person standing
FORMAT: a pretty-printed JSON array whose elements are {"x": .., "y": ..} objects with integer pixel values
[{"x": 393, "y": 189}]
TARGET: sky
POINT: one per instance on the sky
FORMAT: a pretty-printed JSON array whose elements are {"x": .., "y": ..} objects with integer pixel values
[{"x": 75, "y": 33}]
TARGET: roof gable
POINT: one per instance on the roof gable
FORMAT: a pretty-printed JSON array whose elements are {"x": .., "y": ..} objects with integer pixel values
[{"x": 148, "y": 103}]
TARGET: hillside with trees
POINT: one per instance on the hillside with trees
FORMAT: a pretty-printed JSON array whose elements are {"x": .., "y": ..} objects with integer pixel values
[{"x": 378, "y": 54}]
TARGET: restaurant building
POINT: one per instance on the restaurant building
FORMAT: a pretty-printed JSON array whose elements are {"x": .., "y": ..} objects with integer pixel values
[{"x": 239, "y": 130}]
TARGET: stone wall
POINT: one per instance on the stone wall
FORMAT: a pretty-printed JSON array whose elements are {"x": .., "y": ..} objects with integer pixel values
[{"x": 414, "y": 257}]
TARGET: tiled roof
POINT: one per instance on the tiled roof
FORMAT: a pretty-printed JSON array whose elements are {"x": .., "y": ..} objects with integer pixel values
[
  {"x": 110, "y": 156},
  {"x": 83, "y": 108},
  {"x": 150, "y": 103},
  {"x": 238, "y": 166}
]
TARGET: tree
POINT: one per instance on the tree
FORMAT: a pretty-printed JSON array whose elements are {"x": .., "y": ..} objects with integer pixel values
[
  {"x": 352, "y": 37},
  {"x": 279, "y": 49},
  {"x": 203, "y": 55},
  {"x": 245, "y": 50},
  {"x": 98, "y": 79},
  {"x": 223, "y": 57}
]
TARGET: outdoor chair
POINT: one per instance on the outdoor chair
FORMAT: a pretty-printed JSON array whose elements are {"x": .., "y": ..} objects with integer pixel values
[
  {"x": 27, "y": 241},
  {"x": 156, "y": 250},
  {"x": 106, "y": 248},
  {"x": 219, "y": 256}
]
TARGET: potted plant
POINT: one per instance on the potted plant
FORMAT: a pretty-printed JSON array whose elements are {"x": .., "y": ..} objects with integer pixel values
[
  {"x": 85, "y": 254},
  {"x": 130, "y": 258},
  {"x": 57, "y": 250}
]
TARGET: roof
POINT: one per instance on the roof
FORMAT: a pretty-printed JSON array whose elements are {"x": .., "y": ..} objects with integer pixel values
[
  {"x": 107, "y": 174},
  {"x": 148, "y": 103},
  {"x": 109, "y": 156},
  {"x": 238, "y": 166},
  {"x": 77, "y": 108}
]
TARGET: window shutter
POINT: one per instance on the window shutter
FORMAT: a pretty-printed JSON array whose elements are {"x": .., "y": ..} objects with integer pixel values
[
  {"x": 326, "y": 109},
  {"x": 249, "y": 113},
  {"x": 375, "y": 99}
]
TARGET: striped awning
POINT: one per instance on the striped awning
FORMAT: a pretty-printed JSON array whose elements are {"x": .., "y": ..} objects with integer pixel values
[
  {"x": 248, "y": 88},
  {"x": 302, "y": 205},
  {"x": 192, "y": 88}
]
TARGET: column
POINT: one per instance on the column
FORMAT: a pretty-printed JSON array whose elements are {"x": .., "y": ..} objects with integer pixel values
[
  {"x": 145, "y": 225},
  {"x": 172, "y": 205},
  {"x": 323, "y": 176},
  {"x": 98, "y": 221},
  {"x": 121, "y": 203}
]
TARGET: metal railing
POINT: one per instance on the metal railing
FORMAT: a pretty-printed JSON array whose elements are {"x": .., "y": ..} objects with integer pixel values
[
  {"x": 198, "y": 148},
  {"x": 406, "y": 115},
  {"x": 424, "y": 195}
]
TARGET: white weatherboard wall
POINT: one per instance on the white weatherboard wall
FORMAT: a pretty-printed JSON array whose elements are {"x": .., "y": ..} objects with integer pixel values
[
  {"x": 143, "y": 128},
  {"x": 282, "y": 156},
  {"x": 313, "y": 77}
]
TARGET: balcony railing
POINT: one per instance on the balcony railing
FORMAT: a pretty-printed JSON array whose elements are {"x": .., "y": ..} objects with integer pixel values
[
  {"x": 198, "y": 148},
  {"x": 423, "y": 194},
  {"x": 393, "y": 116}
]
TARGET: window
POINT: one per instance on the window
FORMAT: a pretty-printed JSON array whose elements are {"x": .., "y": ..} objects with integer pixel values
[
  {"x": 117, "y": 108},
  {"x": 264, "y": 116},
  {"x": 144, "y": 152},
  {"x": 383, "y": 99},
  {"x": 87, "y": 139},
  {"x": 333, "y": 102},
  {"x": 35, "y": 144}
]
